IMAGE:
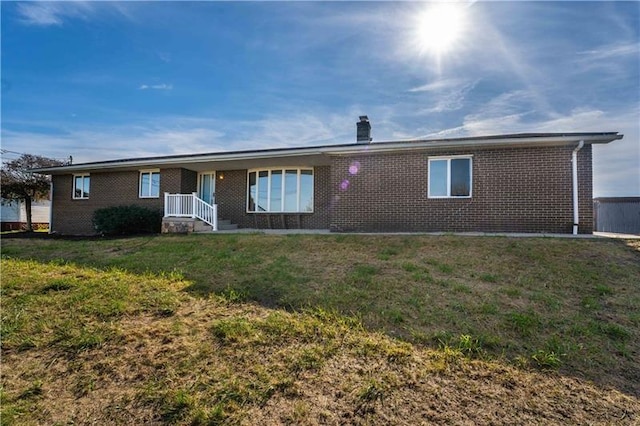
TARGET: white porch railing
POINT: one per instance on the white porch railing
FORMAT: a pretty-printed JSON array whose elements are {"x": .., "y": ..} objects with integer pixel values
[{"x": 190, "y": 205}]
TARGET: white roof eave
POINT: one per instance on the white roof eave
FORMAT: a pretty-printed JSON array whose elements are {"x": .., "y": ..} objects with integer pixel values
[
  {"x": 471, "y": 143},
  {"x": 379, "y": 147}
]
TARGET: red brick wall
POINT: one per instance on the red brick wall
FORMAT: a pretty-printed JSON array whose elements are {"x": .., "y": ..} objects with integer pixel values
[
  {"x": 188, "y": 182},
  {"x": 585, "y": 190},
  {"x": 231, "y": 197},
  {"x": 514, "y": 190},
  {"x": 109, "y": 189}
]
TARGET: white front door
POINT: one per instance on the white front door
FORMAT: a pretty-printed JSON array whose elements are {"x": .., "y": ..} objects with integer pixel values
[{"x": 207, "y": 187}]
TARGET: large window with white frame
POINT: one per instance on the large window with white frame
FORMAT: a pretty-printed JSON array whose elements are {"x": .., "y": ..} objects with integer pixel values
[
  {"x": 149, "y": 184},
  {"x": 450, "y": 177},
  {"x": 81, "y": 185},
  {"x": 280, "y": 190}
]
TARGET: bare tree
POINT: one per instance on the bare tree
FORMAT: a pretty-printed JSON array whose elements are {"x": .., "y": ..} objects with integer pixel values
[{"x": 18, "y": 183}]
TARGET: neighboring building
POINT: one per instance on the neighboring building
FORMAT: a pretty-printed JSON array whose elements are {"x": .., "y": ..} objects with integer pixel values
[
  {"x": 507, "y": 183},
  {"x": 617, "y": 214},
  {"x": 13, "y": 215}
]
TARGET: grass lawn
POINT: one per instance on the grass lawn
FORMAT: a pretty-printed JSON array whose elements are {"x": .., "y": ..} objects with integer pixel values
[{"x": 314, "y": 329}]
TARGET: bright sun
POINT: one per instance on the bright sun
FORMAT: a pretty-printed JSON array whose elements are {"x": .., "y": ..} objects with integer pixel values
[{"x": 439, "y": 27}]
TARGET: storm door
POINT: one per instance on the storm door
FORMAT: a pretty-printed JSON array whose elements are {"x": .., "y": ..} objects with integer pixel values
[{"x": 207, "y": 187}]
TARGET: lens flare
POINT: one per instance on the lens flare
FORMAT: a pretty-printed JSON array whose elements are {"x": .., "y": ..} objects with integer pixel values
[{"x": 354, "y": 168}]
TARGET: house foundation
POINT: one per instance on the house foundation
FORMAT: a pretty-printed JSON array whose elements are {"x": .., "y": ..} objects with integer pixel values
[{"x": 178, "y": 225}]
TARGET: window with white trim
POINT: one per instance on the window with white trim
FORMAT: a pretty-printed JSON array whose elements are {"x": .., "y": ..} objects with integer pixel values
[
  {"x": 149, "y": 184},
  {"x": 450, "y": 177},
  {"x": 286, "y": 190},
  {"x": 81, "y": 185}
]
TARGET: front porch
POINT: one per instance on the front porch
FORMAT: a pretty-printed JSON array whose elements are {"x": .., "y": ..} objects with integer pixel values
[
  {"x": 188, "y": 213},
  {"x": 300, "y": 203}
]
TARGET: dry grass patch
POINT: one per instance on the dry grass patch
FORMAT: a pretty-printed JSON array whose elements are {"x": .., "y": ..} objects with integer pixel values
[
  {"x": 217, "y": 361},
  {"x": 562, "y": 304}
]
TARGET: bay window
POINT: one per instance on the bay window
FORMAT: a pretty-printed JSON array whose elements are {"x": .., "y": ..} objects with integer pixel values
[{"x": 286, "y": 190}]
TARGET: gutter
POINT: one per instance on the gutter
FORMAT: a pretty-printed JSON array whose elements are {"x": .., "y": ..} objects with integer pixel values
[
  {"x": 349, "y": 149},
  {"x": 574, "y": 164},
  {"x": 513, "y": 142}
]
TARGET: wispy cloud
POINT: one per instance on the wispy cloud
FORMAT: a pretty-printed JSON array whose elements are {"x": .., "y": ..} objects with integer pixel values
[
  {"x": 162, "y": 86},
  {"x": 508, "y": 101},
  {"x": 503, "y": 113},
  {"x": 578, "y": 120},
  {"x": 164, "y": 56},
  {"x": 51, "y": 13},
  {"x": 40, "y": 13},
  {"x": 115, "y": 142},
  {"x": 614, "y": 60},
  {"x": 611, "y": 51},
  {"x": 178, "y": 135},
  {"x": 439, "y": 85},
  {"x": 448, "y": 95}
]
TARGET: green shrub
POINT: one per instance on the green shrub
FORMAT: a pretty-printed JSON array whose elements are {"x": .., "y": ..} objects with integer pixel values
[{"x": 123, "y": 220}]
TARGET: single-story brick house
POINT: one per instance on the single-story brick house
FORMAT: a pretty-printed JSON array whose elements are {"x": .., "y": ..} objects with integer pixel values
[{"x": 536, "y": 182}]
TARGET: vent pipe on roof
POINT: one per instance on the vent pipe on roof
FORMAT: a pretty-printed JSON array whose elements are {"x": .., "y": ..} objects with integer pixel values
[{"x": 363, "y": 134}]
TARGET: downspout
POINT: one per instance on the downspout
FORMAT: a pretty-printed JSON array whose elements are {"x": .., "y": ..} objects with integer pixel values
[
  {"x": 51, "y": 206},
  {"x": 574, "y": 161}
]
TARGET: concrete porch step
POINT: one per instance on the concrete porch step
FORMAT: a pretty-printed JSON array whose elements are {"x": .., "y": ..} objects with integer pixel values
[
  {"x": 200, "y": 226},
  {"x": 227, "y": 226},
  {"x": 223, "y": 225}
]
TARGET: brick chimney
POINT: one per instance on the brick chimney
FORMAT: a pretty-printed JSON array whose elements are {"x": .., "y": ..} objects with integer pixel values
[{"x": 363, "y": 135}]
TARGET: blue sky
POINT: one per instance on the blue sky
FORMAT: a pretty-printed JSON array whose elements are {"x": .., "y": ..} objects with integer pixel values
[{"x": 107, "y": 80}]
